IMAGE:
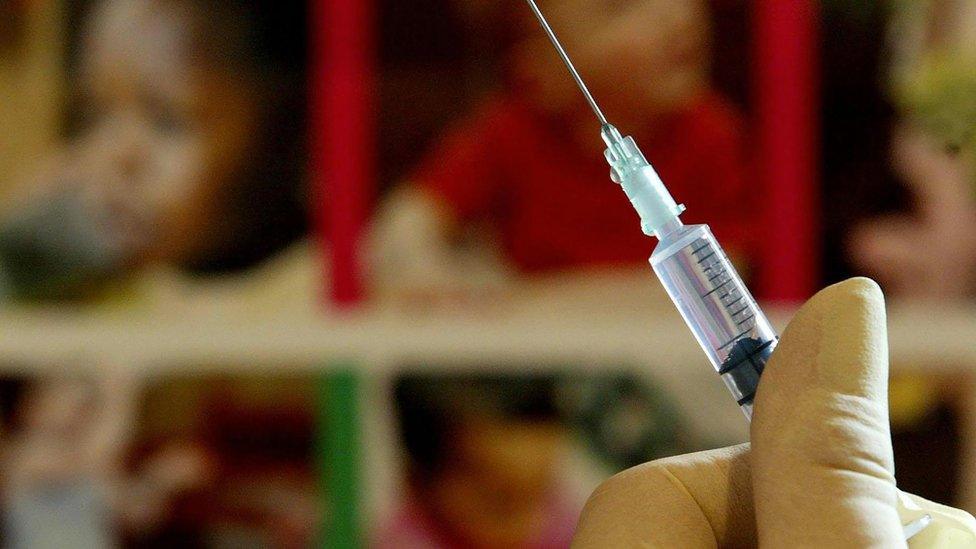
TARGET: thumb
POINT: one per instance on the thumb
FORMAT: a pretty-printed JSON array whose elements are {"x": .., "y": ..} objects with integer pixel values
[
  {"x": 823, "y": 471},
  {"x": 696, "y": 500}
]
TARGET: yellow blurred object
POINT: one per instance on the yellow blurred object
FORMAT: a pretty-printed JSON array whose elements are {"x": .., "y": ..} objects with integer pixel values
[
  {"x": 910, "y": 398},
  {"x": 31, "y": 83}
]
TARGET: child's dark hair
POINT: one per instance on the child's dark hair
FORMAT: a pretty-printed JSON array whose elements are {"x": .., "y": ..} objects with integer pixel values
[
  {"x": 11, "y": 395},
  {"x": 264, "y": 41},
  {"x": 431, "y": 408}
]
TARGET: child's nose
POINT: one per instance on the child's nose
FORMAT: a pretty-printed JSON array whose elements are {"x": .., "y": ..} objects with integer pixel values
[
  {"x": 129, "y": 149},
  {"x": 130, "y": 167}
]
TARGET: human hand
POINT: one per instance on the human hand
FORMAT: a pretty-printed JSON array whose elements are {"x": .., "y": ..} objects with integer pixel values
[
  {"x": 416, "y": 262},
  {"x": 930, "y": 254},
  {"x": 820, "y": 471}
]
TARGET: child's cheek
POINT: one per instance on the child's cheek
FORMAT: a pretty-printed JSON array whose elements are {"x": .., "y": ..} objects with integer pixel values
[
  {"x": 176, "y": 197},
  {"x": 176, "y": 166}
]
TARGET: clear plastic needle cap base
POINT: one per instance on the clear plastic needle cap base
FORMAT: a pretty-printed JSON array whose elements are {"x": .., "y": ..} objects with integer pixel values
[{"x": 629, "y": 168}]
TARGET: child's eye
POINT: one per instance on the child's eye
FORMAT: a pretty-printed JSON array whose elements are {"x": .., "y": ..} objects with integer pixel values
[
  {"x": 88, "y": 114},
  {"x": 165, "y": 117},
  {"x": 168, "y": 121},
  {"x": 87, "y": 119}
]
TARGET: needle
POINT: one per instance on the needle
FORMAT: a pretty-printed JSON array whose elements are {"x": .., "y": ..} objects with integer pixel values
[{"x": 568, "y": 62}]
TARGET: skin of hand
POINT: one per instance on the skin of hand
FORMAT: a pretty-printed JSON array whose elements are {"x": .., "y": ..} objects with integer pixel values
[
  {"x": 930, "y": 254},
  {"x": 410, "y": 241},
  {"x": 820, "y": 470},
  {"x": 415, "y": 258}
]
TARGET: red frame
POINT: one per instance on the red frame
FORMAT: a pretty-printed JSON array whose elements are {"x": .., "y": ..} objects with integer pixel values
[
  {"x": 786, "y": 92},
  {"x": 342, "y": 138}
]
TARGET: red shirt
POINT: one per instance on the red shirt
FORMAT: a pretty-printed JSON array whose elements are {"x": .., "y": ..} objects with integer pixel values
[{"x": 554, "y": 205}]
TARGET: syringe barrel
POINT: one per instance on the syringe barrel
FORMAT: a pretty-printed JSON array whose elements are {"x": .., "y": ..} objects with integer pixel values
[{"x": 717, "y": 306}]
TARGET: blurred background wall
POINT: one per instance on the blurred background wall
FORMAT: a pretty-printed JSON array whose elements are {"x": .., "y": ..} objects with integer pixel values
[{"x": 184, "y": 182}]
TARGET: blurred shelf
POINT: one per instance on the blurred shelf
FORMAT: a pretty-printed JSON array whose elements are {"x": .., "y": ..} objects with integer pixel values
[
  {"x": 522, "y": 334},
  {"x": 536, "y": 329}
]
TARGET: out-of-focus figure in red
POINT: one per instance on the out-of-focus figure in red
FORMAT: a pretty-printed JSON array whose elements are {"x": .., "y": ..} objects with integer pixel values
[
  {"x": 524, "y": 177},
  {"x": 526, "y": 168}
]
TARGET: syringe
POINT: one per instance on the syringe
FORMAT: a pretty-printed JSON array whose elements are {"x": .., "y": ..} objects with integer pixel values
[{"x": 696, "y": 272}]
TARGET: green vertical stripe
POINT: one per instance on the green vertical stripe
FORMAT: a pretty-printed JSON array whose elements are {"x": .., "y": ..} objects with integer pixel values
[{"x": 339, "y": 457}]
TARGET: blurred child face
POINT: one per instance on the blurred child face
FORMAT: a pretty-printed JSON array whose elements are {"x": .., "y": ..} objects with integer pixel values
[
  {"x": 644, "y": 57},
  {"x": 165, "y": 131},
  {"x": 496, "y": 490}
]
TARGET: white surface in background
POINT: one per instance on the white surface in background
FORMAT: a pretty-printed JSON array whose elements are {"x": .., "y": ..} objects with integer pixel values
[{"x": 590, "y": 322}]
